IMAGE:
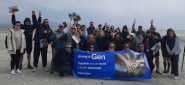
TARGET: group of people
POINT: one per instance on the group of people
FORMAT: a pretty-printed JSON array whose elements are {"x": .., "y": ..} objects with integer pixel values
[{"x": 91, "y": 39}]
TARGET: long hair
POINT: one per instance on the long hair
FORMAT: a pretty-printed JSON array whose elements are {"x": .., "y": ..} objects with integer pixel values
[
  {"x": 88, "y": 41},
  {"x": 100, "y": 32},
  {"x": 88, "y": 49},
  {"x": 74, "y": 27},
  {"x": 114, "y": 39},
  {"x": 171, "y": 30},
  {"x": 132, "y": 40},
  {"x": 151, "y": 37}
]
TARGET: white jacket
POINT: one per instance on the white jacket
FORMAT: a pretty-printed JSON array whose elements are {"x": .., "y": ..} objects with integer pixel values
[{"x": 11, "y": 42}]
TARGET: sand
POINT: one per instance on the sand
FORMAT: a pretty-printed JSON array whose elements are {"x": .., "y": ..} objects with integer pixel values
[{"x": 44, "y": 78}]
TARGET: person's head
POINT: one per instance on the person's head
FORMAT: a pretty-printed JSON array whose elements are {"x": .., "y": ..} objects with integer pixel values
[
  {"x": 83, "y": 32},
  {"x": 125, "y": 29},
  {"x": 107, "y": 27},
  {"x": 27, "y": 21},
  {"x": 112, "y": 28},
  {"x": 139, "y": 34},
  {"x": 148, "y": 34},
  {"x": 153, "y": 28},
  {"x": 91, "y": 47},
  {"x": 117, "y": 36},
  {"x": 91, "y": 24},
  {"x": 171, "y": 32},
  {"x": 17, "y": 25},
  {"x": 61, "y": 27},
  {"x": 140, "y": 28},
  {"x": 78, "y": 26},
  {"x": 68, "y": 47},
  {"x": 141, "y": 46},
  {"x": 97, "y": 31},
  {"x": 46, "y": 22},
  {"x": 131, "y": 36},
  {"x": 83, "y": 27},
  {"x": 73, "y": 29},
  {"x": 126, "y": 47},
  {"x": 102, "y": 34},
  {"x": 90, "y": 38},
  {"x": 65, "y": 24},
  {"x": 100, "y": 27},
  {"x": 112, "y": 46}
]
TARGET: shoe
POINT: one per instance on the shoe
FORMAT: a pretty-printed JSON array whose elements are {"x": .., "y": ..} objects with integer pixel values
[
  {"x": 34, "y": 69},
  {"x": 29, "y": 66},
  {"x": 164, "y": 71},
  {"x": 18, "y": 71},
  {"x": 12, "y": 72},
  {"x": 175, "y": 77},
  {"x": 51, "y": 72},
  {"x": 46, "y": 69},
  {"x": 20, "y": 66},
  {"x": 157, "y": 71},
  {"x": 167, "y": 71}
]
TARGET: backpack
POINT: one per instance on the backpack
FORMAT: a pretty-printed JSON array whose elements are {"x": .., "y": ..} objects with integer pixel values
[{"x": 6, "y": 45}]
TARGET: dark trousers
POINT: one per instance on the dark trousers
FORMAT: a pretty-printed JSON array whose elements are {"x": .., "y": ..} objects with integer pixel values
[
  {"x": 63, "y": 69},
  {"x": 150, "y": 57},
  {"x": 15, "y": 58},
  {"x": 37, "y": 51},
  {"x": 174, "y": 62}
]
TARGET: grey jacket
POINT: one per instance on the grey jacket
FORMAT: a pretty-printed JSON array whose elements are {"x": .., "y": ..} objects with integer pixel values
[
  {"x": 138, "y": 41},
  {"x": 176, "y": 49},
  {"x": 70, "y": 39}
]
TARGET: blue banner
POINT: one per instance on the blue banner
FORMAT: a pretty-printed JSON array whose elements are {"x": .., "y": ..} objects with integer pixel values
[{"x": 111, "y": 65}]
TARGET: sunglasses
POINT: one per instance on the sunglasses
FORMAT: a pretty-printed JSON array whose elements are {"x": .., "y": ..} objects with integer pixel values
[
  {"x": 126, "y": 46},
  {"x": 61, "y": 26},
  {"x": 140, "y": 46},
  {"x": 17, "y": 25},
  {"x": 92, "y": 24},
  {"x": 91, "y": 47},
  {"x": 96, "y": 31},
  {"x": 153, "y": 28},
  {"x": 73, "y": 28},
  {"x": 68, "y": 47},
  {"x": 107, "y": 27},
  {"x": 111, "y": 46}
]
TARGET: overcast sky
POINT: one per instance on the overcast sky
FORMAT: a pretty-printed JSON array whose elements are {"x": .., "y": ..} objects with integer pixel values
[{"x": 165, "y": 13}]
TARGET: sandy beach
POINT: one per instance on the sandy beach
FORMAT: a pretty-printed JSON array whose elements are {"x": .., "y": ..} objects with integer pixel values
[{"x": 44, "y": 78}]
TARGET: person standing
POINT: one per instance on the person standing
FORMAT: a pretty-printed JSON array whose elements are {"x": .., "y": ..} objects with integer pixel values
[
  {"x": 16, "y": 45},
  {"x": 28, "y": 34},
  {"x": 138, "y": 39},
  {"x": 43, "y": 32},
  {"x": 173, "y": 49},
  {"x": 91, "y": 29},
  {"x": 166, "y": 58},
  {"x": 125, "y": 32},
  {"x": 157, "y": 36},
  {"x": 140, "y": 29}
]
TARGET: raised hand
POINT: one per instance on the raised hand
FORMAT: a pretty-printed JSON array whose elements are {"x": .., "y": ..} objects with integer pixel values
[
  {"x": 40, "y": 14},
  {"x": 118, "y": 27},
  {"x": 152, "y": 21},
  {"x": 55, "y": 32},
  {"x": 105, "y": 24},
  {"x": 134, "y": 21},
  {"x": 33, "y": 12},
  {"x": 13, "y": 13},
  {"x": 112, "y": 33}
]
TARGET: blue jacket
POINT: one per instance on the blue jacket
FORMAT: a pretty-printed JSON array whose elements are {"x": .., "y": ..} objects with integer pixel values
[{"x": 56, "y": 40}]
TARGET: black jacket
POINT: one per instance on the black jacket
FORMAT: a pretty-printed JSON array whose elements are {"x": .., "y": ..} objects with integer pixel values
[
  {"x": 124, "y": 35},
  {"x": 102, "y": 43},
  {"x": 64, "y": 58},
  {"x": 119, "y": 44},
  {"x": 170, "y": 42},
  {"x": 91, "y": 30},
  {"x": 42, "y": 32},
  {"x": 28, "y": 28},
  {"x": 158, "y": 35},
  {"x": 163, "y": 44}
]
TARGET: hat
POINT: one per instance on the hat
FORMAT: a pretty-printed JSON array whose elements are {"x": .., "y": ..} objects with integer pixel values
[
  {"x": 61, "y": 24},
  {"x": 131, "y": 34},
  {"x": 124, "y": 27},
  {"x": 139, "y": 32},
  {"x": 149, "y": 31},
  {"x": 139, "y": 26},
  {"x": 99, "y": 25}
]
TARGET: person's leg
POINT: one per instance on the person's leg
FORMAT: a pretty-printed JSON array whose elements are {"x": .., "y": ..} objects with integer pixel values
[
  {"x": 54, "y": 52},
  {"x": 169, "y": 63},
  {"x": 44, "y": 52},
  {"x": 172, "y": 64},
  {"x": 176, "y": 60},
  {"x": 63, "y": 69},
  {"x": 18, "y": 55},
  {"x": 29, "y": 59},
  {"x": 164, "y": 63},
  {"x": 21, "y": 59},
  {"x": 157, "y": 64},
  {"x": 12, "y": 62},
  {"x": 36, "y": 54}
]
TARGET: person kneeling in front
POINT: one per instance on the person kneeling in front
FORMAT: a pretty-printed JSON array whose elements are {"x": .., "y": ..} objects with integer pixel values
[{"x": 64, "y": 60}]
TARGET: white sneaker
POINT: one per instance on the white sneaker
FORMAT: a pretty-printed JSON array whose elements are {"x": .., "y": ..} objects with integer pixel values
[
  {"x": 34, "y": 69},
  {"x": 12, "y": 72},
  {"x": 175, "y": 77},
  {"x": 46, "y": 69},
  {"x": 18, "y": 71}
]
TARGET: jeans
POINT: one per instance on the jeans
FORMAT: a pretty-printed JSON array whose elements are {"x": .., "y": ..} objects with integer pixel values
[
  {"x": 15, "y": 58},
  {"x": 174, "y": 62},
  {"x": 63, "y": 69}
]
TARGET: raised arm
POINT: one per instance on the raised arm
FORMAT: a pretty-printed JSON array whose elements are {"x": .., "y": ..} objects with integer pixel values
[
  {"x": 13, "y": 18},
  {"x": 104, "y": 27},
  {"x": 66, "y": 30},
  {"x": 39, "y": 19},
  {"x": 133, "y": 27},
  {"x": 34, "y": 19}
]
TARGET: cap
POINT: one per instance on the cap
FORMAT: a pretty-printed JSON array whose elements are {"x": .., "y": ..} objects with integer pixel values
[
  {"x": 131, "y": 34},
  {"x": 139, "y": 26},
  {"x": 124, "y": 27}
]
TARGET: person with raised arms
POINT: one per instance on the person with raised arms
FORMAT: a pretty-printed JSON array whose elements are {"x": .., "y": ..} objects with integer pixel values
[{"x": 140, "y": 29}]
